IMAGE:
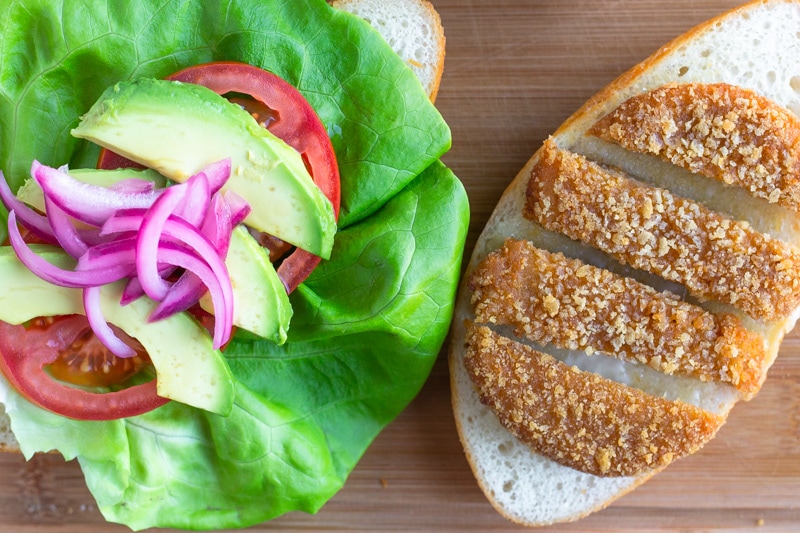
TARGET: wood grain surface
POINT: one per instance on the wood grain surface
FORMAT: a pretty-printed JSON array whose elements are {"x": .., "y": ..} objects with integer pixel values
[{"x": 514, "y": 71}]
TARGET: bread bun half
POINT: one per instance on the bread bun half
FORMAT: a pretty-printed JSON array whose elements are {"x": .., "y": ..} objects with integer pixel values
[{"x": 638, "y": 275}]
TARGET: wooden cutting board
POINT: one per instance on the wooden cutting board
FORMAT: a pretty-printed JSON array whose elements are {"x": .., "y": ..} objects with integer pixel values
[{"x": 514, "y": 71}]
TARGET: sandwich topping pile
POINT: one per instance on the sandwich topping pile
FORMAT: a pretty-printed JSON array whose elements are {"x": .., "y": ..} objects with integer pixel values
[{"x": 231, "y": 250}]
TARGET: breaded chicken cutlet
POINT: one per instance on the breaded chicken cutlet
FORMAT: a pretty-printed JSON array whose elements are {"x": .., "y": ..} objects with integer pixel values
[{"x": 551, "y": 301}]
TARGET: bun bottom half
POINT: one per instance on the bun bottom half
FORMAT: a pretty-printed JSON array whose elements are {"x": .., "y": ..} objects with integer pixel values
[{"x": 756, "y": 47}]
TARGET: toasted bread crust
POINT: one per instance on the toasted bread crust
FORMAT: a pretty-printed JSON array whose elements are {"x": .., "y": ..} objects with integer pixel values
[
  {"x": 577, "y": 418},
  {"x": 717, "y": 130},
  {"x": 649, "y": 228},
  {"x": 550, "y": 299},
  {"x": 438, "y": 68}
]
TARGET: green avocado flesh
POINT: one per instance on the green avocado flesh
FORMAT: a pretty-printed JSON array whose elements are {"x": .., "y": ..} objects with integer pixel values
[
  {"x": 260, "y": 303},
  {"x": 178, "y": 129},
  {"x": 188, "y": 369},
  {"x": 31, "y": 193}
]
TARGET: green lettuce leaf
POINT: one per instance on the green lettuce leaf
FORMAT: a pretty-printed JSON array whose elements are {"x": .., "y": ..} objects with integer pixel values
[
  {"x": 368, "y": 324},
  {"x": 184, "y": 467}
]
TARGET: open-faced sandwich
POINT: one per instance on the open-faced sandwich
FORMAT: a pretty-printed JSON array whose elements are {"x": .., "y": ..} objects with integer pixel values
[
  {"x": 637, "y": 277},
  {"x": 230, "y": 249}
]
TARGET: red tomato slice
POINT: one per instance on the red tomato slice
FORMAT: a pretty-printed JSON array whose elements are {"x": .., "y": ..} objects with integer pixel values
[
  {"x": 27, "y": 353},
  {"x": 279, "y": 107}
]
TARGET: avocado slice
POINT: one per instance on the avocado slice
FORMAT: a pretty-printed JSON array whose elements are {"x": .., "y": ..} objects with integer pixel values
[
  {"x": 260, "y": 303},
  {"x": 189, "y": 370},
  {"x": 107, "y": 178},
  {"x": 178, "y": 129}
]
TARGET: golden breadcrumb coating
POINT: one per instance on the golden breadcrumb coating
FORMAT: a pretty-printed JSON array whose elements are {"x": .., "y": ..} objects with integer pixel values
[
  {"x": 550, "y": 299},
  {"x": 720, "y": 131},
  {"x": 713, "y": 256},
  {"x": 577, "y": 418}
]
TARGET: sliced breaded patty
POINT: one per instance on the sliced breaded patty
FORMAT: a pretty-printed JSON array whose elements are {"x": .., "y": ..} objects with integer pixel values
[
  {"x": 714, "y": 257},
  {"x": 717, "y": 130},
  {"x": 577, "y": 418},
  {"x": 550, "y": 299}
]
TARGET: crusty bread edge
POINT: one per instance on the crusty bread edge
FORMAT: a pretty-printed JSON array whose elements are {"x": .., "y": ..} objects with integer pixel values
[
  {"x": 623, "y": 87},
  {"x": 441, "y": 41}
]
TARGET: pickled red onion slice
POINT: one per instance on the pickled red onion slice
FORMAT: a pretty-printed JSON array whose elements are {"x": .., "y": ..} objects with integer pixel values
[{"x": 138, "y": 233}]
